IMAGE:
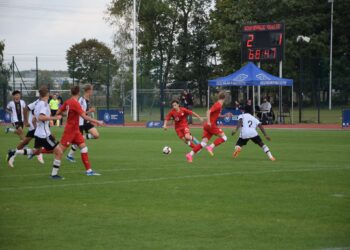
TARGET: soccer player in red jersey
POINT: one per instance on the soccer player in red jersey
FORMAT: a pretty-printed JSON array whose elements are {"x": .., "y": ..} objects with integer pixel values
[
  {"x": 179, "y": 115},
  {"x": 210, "y": 128},
  {"x": 72, "y": 134}
]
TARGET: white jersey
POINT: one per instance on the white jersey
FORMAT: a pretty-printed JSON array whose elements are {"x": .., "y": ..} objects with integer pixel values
[
  {"x": 16, "y": 109},
  {"x": 249, "y": 125},
  {"x": 84, "y": 103},
  {"x": 31, "y": 108},
  {"x": 42, "y": 128}
]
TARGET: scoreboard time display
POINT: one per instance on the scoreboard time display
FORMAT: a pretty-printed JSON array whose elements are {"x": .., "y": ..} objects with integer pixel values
[{"x": 263, "y": 42}]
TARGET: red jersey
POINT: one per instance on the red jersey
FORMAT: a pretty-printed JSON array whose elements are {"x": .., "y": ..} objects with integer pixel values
[
  {"x": 180, "y": 117},
  {"x": 74, "y": 111},
  {"x": 215, "y": 111}
]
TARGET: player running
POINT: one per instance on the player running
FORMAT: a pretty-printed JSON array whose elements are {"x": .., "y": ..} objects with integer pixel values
[
  {"x": 72, "y": 134},
  {"x": 28, "y": 121},
  {"x": 90, "y": 131},
  {"x": 210, "y": 128},
  {"x": 179, "y": 115},
  {"x": 247, "y": 125},
  {"x": 16, "y": 109},
  {"x": 43, "y": 137}
]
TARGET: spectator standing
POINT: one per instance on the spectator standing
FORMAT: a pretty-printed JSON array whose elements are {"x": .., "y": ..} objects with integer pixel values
[
  {"x": 248, "y": 107},
  {"x": 54, "y": 105}
]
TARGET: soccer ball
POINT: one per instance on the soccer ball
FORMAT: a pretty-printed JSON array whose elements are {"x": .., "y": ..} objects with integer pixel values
[{"x": 167, "y": 150}]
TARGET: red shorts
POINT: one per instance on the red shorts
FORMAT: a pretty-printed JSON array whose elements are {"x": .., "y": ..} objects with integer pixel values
[
  {"x": 70, "y": 138},
  {"x": 182, "y": 131},
  {"x": 208, "y": 132}
]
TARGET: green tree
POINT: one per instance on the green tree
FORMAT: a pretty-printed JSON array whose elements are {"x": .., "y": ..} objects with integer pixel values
[
  {"x": 88, "y": 61},
  {"x": 4, "y": 75}
]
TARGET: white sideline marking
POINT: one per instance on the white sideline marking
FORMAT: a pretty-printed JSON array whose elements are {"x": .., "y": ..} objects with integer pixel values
[
  {"x": 165, "y": 178},
  {"x": 336, "y": 248}
]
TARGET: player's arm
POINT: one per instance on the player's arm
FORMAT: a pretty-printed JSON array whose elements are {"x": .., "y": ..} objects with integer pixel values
[
  {"x": 8, "y": 109},
  {"x": 167, "y": 118},
  {"x": 198, "y": 116},
  {"x": 88, "y": 118},
  {"x": 26, "y": 111},
  {"x": 238, "y": 127},
  {"x": 208, "y": 117},
  {"x": 42, "y": 117},
  {"x": 264, "y": 132},
  {"x": 91, "y": 110}
]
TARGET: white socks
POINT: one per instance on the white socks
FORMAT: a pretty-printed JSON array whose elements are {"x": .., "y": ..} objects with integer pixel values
[
  {"x": 56, "y": 167},
  {"x": 267, "y": 151}
]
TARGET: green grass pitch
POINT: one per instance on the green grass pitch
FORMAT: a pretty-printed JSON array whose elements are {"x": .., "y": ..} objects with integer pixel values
[{"x": 147, "y": 200}]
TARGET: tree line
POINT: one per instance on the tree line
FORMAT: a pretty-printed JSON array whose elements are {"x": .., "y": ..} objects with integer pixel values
[{"x": 183, "y": 43}]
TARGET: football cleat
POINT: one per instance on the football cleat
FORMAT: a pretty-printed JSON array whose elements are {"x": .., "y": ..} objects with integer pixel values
[
  {"x": 272, "y": 158},
  {"x": 56, "y": 177},
  {"x": 210, "y": 150},
  {"x": 236, "y": 152},
  {"x": 70, "y": 158},
  {"x": 40, "y": 158},
  {"x": 11, "y": 157},
  {"x": 7, "y": 130},
  {"x": 189, "y": 157},
  {"x": 92, "y": 173}
]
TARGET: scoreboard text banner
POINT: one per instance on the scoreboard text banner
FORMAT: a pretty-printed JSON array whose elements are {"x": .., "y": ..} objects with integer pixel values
[
  {"x": 346, "y": 118},
  {"x": 229, "y": 121},
  {"x": 154, "y": 124},
  {"x": 113, "y": 117}
]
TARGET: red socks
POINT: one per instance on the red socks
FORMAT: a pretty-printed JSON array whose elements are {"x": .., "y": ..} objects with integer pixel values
[
  {"x": 85, "y": 159},
  {"x": 218, "y": 141}
]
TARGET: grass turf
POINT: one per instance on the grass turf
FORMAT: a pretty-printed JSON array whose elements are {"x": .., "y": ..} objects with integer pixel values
[{"x": 147, "y": 200}]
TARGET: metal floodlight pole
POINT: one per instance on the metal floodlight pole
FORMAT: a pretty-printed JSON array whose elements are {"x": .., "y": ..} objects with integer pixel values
[
  {"x": 37, "y": 73},
  {"x": 331, "y": 56},
  {"x": 134, "y": 115}
]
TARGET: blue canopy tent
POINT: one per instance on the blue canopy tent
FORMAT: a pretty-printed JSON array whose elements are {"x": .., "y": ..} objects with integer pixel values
[{"x": 250, "y": 75}]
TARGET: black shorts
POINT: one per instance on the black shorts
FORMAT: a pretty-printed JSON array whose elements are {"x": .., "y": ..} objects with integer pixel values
[
  {"x": 30, "y": 133},
  {"x": 53, "y": 112},
  {"x": 86, "y": 127},
  {"x": 48, "y": 143},
  {"x": 18, "y": 125},
  {"x": 241, "y": 142}
]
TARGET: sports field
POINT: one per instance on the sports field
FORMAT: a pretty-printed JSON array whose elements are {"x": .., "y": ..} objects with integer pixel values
[{"x": 147, "y": 200}]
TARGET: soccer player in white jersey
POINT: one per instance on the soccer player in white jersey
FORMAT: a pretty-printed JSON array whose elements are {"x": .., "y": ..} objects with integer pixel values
[
  {"x": 16, "y": 109},
  {"x": 28, "y": 122},
  {"x": 247, "y": 124},
  {"x": 43, "y": 137},
  {"x": 90, "y": 130}
]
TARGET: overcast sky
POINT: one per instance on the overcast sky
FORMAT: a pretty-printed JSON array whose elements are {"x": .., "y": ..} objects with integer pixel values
[{"x": 47, "y": 28}]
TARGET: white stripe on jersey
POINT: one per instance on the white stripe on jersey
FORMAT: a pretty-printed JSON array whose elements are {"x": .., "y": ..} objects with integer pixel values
[
  {"x": 83, "y": 104},
  {"x": 12, "y": 106}
]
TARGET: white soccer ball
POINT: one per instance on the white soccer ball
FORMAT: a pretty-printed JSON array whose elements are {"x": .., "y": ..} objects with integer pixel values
[{"x": 167, "y": 150}]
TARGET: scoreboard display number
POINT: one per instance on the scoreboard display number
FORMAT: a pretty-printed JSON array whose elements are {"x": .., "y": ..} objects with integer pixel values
[{"x": 263, "y": 42}]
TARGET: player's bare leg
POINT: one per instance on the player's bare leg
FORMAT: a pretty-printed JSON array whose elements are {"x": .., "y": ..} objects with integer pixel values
[
  {"x": 196, "y": 149},
  {"x": 189, "y": 140},
  {"x": 221, "y": 139},
  {"x": 93, "y": 134},
  {"x": 70, "y": 156},
  {"x": 20, "y": 133},
  {"x": 267, "y": 151}
]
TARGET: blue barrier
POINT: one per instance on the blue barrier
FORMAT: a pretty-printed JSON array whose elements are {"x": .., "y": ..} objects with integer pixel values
[
  {"x": 4, "y": 116},
  {"x": 229, "y": 121},
  {"x": 346, "y": 118},
  {"x": 154, "y": 124},
  {"x": 113, "y": 117}
]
